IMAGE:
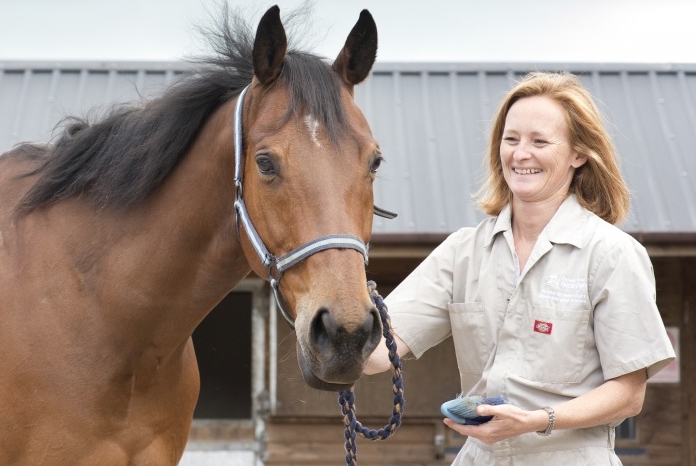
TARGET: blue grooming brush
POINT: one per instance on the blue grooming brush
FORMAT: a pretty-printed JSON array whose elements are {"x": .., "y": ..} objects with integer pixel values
[{"x": 462, "y": 409}]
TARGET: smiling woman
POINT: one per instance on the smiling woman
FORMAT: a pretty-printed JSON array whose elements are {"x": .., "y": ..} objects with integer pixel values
[{"x": 550, "y": 306}]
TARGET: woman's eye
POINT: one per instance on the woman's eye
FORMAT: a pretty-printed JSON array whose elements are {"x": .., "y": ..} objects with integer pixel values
[
  {"x": 375, "y": 164},
  {"x": 510, "y": 140},
  {"x": 539, "y": 142},
  {"x": 265, "y": 164}
]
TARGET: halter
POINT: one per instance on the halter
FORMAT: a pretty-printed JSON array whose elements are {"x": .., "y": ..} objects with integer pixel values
[{"x": 275, "y": 266}]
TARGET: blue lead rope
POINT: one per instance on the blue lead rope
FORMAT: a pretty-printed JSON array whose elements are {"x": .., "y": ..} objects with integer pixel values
[{"x": 346, "y": 398}]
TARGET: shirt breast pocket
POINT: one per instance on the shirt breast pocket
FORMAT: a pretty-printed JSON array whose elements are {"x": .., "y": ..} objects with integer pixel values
[
  {"x": 553, "y": 342},
  {"x": 469, "y": 336}
]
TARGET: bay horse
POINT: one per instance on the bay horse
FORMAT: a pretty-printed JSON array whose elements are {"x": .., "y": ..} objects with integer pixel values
[{"x": 117, "y": 239}]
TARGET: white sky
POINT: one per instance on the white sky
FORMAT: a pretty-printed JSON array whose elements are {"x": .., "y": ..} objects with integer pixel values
[{"x": 529, "y": 31}]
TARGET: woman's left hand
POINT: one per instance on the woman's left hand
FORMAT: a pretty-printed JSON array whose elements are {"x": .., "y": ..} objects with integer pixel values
[{"x": 508, "y": 421}]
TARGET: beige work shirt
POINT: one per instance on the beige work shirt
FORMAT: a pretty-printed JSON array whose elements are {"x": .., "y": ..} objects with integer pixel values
[{"x": 581, "y": 312}]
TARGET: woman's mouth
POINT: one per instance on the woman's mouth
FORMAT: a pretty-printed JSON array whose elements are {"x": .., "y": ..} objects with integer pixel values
[{"x": 526, "y": 171}]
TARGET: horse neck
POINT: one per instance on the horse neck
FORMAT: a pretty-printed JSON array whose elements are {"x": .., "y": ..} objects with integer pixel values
[
  {"x": 199, "y": 194},
  {"x": 194, "y": 212},
  {"x": 162, "y": 265}
]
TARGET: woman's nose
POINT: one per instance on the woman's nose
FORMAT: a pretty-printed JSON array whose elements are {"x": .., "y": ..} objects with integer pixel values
[{"x": 521, "y": 151}]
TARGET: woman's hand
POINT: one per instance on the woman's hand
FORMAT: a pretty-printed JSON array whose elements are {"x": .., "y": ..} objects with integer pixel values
[
  {"x": 508, "y": 421},
  {"x": 379, "y": 359}
]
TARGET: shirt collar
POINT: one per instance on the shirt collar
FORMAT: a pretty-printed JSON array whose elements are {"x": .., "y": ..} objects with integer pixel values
[
  {"x": 502, "y": 223},
  {"x": 566, "y": 225}
]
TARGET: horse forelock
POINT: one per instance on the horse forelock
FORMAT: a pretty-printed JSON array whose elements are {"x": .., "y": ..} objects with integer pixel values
[{"x": 315, "y": 93}]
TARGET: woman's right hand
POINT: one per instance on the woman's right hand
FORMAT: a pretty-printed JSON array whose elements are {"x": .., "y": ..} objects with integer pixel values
[{"x": 379, "y": 359}]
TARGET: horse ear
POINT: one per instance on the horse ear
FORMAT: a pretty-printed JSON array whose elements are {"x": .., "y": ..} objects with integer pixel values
[
  {"x": 270, "y": 46},
  {"x": 355, "y": 60}
]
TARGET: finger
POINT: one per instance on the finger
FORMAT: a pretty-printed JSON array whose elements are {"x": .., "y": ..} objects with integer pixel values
[
  {"x": 486, "y": 410},
  {"x": 462, "y": 429},
  {"x": 450, "y": 423}
]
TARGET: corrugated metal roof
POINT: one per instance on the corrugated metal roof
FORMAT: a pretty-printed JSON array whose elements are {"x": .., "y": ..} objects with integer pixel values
[
  {"x": 431, "y": 121},
  {"x": 35, "y": 96}
]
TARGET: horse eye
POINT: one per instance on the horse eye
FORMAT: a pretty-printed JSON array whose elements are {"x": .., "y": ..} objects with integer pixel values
[
  {"x": 265, "y": 164},
  {"x": 375, "y": 164}
]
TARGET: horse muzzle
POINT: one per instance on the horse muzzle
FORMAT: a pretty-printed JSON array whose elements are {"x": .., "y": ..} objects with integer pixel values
[{"x": 332, "y": 355}]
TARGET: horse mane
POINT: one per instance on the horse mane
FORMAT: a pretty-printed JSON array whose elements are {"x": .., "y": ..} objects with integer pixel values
[{"x": 120, "y": 159}]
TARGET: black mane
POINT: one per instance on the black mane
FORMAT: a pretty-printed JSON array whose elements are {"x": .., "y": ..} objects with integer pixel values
[{"x": 119, "y": 160}]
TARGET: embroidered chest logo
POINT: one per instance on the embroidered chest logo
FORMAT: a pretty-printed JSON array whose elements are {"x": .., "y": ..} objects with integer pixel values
[
  {"x": 562, "y": 289},
  {"x": 543, "y": 327}
]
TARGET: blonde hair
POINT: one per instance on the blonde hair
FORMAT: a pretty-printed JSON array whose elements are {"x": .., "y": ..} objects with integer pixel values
[{"x": 598, "y": 183}]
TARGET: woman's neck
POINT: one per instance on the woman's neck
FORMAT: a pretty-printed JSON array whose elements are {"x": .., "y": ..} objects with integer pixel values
[
  {"x": 528, "y": 221},
  {"x": 530, "y": 218}
]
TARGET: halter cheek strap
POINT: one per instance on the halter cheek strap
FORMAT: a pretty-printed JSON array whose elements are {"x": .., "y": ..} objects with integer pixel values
[{"x": 275, "y": 266}]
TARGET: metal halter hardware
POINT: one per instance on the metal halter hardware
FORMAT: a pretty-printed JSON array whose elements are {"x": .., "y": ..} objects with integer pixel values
[{"x": 275, "y": 266}]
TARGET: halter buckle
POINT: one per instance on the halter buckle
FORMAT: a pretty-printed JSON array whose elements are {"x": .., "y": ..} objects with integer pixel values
[{"x": 238, "y": 188}]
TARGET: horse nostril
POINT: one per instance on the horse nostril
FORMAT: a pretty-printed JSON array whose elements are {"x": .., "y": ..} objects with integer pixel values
[
  {"x": 373, "y": 328},
  {"x": 323, "y": 329}
]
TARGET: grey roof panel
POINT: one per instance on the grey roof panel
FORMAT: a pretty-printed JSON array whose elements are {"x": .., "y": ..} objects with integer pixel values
[
  {"x": 432, "y": 121},
  {"x": 35, "y": 96}
]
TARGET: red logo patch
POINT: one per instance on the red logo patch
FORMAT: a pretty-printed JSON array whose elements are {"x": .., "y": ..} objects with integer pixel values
[{"x": 543, "y": 327}]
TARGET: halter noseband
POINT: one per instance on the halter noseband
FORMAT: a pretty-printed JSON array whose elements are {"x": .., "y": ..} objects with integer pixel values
[{"x": 275, "y": 266}]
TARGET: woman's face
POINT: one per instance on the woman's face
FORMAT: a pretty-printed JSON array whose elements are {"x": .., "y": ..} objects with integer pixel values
[{"x": 536, "y": 154}]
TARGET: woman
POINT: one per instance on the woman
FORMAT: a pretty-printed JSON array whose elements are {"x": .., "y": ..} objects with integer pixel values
[{"x": 550, "y": 306}]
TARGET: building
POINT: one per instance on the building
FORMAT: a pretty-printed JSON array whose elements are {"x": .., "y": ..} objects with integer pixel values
[{"x": 431, "y": 121}]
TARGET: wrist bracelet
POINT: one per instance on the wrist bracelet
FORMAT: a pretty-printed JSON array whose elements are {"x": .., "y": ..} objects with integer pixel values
[{"x": 552, "y": 422}]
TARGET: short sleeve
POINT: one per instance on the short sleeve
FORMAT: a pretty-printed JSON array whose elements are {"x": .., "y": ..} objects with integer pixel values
[
  {"x": 629, "y": 331},
  {"x": 418, "y": 306}
]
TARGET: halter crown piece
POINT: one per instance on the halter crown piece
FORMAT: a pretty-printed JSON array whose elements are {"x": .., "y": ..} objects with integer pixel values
[{"x": 275, "y": 266}]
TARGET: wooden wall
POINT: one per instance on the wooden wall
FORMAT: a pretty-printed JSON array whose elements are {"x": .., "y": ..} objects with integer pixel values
[
  {"x": 307, "y": 426},
  {"x": 688, "y": 364},
  {"x": 666, "y": 426}
]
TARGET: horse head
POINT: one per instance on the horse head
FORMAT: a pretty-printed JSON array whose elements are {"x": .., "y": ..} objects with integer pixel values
[{"x": 309, "y": 162}]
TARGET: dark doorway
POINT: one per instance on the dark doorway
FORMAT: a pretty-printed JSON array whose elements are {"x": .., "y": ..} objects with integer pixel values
[{"x": 223, "y": 350}]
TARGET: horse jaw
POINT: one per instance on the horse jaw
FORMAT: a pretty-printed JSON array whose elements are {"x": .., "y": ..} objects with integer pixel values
[{"x": 315, "y": 382}]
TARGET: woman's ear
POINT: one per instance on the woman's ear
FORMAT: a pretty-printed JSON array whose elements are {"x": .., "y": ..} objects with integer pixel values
[{"x": 579, "y": 160}]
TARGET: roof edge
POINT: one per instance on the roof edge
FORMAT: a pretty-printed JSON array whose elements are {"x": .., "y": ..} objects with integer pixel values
[
  {"x": 643, "y": 237},
  {"x": 511, "y": 67},
  {"x": 119, "y": 65},
  {"x": 380, "y": 66}
]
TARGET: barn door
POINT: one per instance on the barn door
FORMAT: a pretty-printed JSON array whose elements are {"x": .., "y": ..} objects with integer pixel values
[{"x": 231, "y": 348}]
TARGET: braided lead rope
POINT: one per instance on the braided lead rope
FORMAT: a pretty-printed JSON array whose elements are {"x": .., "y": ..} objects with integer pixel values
[{"x": 346, "y": 398}]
